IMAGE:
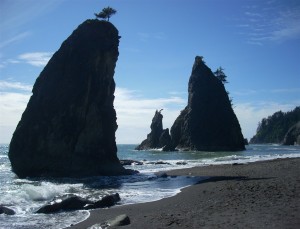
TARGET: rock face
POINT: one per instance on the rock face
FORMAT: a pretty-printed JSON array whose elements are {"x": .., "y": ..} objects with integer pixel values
[
  {"x": 208, "y": 122},
  {"x": 158, "y": 137},
  {"x": 68, "y": 127},
  {"x": 292, "y": 137}
]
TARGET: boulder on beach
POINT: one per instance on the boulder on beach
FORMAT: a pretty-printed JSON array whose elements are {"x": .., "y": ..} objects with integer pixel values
[
  {"x": 68, "y": 127},
  {"x": 158, "y": 137},
  {"x": 72, "y": 203},
  {"x": 68, "y": 204},
  {"x": 208, "y": 122},
  {"x": 6, "y": 210}
]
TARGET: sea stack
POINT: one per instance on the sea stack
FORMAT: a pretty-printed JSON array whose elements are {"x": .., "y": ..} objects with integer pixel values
[
  {"x": 208, "y": 122},
  {"x": 158, "y": 137},
  {"x": 68, "y": 128}
]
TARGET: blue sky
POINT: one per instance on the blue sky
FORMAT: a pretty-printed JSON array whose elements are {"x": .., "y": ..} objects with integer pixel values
[{"x": 257, "y": 43}]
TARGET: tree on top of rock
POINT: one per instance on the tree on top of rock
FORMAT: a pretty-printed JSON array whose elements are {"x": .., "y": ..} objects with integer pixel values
[
  {"x": 221, "y": 75},
  {"x": 106, "y": 13}
]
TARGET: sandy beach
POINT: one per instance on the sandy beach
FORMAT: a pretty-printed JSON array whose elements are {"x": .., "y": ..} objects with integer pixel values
[{"x": 255, "y": 195}]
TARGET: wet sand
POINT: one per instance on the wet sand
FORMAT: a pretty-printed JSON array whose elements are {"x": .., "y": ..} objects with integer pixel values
[{"x": 255, "y": 195}]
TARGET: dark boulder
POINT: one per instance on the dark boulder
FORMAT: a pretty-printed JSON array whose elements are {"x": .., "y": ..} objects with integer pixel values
[
  {"x": 68, "y": 128},
  {"x": 77, "y": 203},
  {"x": 158, "y": 137},
  {"x": 6, "y": 210},
  {"x": 68, "y": 204},
  {"x": 181, "y": 163},
  {"x": 208, "y": 122},
  {"x": 162, "y": 175},
  {"x": 158, "y": 163},
  {"x": 131, "y": 162},
  {"x": 105, "y": 202},
  {"x": 292, "y": 137}
]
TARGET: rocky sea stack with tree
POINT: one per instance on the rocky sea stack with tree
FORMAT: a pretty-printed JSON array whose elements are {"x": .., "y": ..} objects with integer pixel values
[
  {"x": 208, "y": 123},
  {"x": 68, "y": 128}
]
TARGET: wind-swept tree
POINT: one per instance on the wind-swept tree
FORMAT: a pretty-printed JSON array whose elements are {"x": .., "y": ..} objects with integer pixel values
[
  {"x": 221, "y": 75},
  {"x": 106, "y": 13}
]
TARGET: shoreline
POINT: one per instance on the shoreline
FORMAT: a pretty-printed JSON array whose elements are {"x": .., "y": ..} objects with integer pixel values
[{"x": 254, "y": 195}]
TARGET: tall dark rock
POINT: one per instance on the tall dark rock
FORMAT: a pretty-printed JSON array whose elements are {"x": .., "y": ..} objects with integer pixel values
[
  {"x": 208, "y": 122},
  {"x": 68, "y": 127},
  {"x": 158, "y": 137}
]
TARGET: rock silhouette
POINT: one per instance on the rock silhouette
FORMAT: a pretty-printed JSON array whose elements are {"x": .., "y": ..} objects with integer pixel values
[
  {"x": 158, "y": 137},
  {"x": 208, "y": 122},
  {"x": 68, "y": 128}
]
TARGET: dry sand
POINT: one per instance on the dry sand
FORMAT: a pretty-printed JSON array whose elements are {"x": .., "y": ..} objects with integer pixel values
[{"x": 255, "y": 195}]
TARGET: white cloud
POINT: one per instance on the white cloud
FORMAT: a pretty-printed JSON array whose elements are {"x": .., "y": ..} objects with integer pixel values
[
  {"x": 14, "y": 97},
  {"x": 7, "y": 85},
  {"x": 38, "y": 59},
  {"x": 135, "y": 113},
  {"x": 12, "y": 105}
]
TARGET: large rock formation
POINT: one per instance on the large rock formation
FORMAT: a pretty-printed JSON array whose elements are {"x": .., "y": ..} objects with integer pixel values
[
  {"x": 68, "y": 127},
  {"x": 208, "y": 122},
  {"x": 158, "y": 137},
  {"x": 292, "y": 137}
]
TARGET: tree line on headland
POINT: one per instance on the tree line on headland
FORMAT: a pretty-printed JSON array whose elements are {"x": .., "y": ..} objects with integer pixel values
[{"x": 274, "y": 128}]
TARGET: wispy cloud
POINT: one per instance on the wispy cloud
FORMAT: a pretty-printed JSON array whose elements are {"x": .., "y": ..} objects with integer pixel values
[
  {"x": 14, "y": 39},
  {"x": 286, "y": 90},
  {"x": 273, "y": 21},
  {"x": 8, "y": 85},
  {"x": 14, "y": 14},
  {"x": 38, "y": 59}
]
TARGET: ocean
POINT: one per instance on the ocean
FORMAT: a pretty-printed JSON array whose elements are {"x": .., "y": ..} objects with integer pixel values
[{"x": 25, "y": 196}]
